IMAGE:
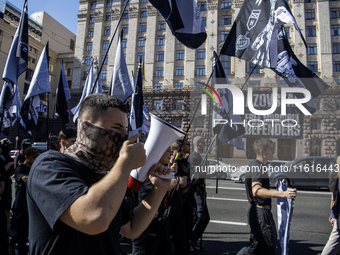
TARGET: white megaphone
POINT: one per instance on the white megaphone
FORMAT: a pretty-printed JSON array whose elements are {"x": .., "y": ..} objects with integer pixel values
[{"x": 162, "y": 135}]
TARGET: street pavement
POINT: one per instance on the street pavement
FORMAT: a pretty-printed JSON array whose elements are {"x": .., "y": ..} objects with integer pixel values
[{"x": 228, "y": 230}]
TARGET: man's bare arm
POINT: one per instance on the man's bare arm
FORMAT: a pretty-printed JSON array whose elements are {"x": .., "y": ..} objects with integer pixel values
[
  {"x": 259, "y": 191},
  {"x": 93, "y": 212}
]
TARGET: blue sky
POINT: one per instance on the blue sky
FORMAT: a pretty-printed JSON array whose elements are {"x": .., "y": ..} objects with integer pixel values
[{"x": 64, "y": 11}]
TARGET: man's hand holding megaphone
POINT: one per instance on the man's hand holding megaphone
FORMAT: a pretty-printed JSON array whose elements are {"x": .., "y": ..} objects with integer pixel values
[{"x": 132, "y": 153}]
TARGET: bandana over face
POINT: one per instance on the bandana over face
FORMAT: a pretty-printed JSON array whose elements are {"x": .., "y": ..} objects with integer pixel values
[{"x": 96, "y": 147}]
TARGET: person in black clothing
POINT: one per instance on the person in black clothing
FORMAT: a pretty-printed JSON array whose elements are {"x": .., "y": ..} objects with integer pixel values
[
  {"x": 76, "y": 199},
  {"x": 262, "y": 226},
  {"x": 201, "y": 212},
  {"x": 179, "y": 212},
  {"x": 26, "y": 143},
  {"x": 156, "y": 238},
  {"x": 3, "y": 220},
  {"x": 67, "y": 137},
  {"x": 18, "y": 225},
  {"x": 8, "y": 162},
  {"x": 53, "y": 143}
]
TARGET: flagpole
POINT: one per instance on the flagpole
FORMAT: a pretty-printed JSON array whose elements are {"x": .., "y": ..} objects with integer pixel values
[
  {"x": 48, "y": 118},
  {"x": 107, "y": 51}
]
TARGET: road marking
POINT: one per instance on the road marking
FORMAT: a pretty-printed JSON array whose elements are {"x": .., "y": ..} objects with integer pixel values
[
  {"x": 213, "y": 187},
  {"x": 299, "y": 191},
  {"x": 228, "y": 222},
  {"x": 228, "y": 199}
]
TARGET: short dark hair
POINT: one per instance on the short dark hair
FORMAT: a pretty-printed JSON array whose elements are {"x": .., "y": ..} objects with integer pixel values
[
  {"x": 261, "y": 143},
  {"x": 176, "y": 144},
  {"x": 31, "y": 151},
  {"x": 95, "y": 104},
  {"x": 67, "y": 133}
]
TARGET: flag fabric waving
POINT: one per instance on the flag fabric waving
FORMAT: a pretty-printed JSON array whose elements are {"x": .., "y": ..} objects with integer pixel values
[
  {"x": 63, "y": 95},
  {"x": 18, "y": 54},
  {"x": 7, "y": 95},
  {"x": 16, "y": 106},
  {"x": 184, "y": 20},
  {"x": 258, "y": 36},
  {"x": 87, "y": 91},
  {"x": 284, "y": 216},
  {"x": 137, "y": 102},
  {"x": 40, "y": 84},
  {"x": 120, "y": 84},
  {"x": 229, "y": 132}
]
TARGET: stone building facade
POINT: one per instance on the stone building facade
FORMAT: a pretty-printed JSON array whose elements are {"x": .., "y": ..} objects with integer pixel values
[
  {"x": 42, "y": 28},
  {"x": 172, "y": 70}
]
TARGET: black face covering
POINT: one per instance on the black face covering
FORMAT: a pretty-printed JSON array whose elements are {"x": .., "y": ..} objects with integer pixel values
[{"x": 96, "y": 147}]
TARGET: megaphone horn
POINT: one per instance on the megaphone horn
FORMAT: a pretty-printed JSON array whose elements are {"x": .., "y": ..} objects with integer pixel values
[{"x": 162, "y": 135}]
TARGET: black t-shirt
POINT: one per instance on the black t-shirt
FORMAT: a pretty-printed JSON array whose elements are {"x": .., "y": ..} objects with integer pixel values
[
  {"x": 56, "y": 180},
  {"x": 255, "y": 174},
  {"x": 20, "y": 202}
]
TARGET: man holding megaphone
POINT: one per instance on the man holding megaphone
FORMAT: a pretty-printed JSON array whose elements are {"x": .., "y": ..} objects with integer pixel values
[{"x": 75, "y": 200}]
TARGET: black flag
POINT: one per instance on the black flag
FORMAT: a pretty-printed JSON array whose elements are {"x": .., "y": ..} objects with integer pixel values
[
  {"x": 63, "y": 95},
  {"x": 184, "y": 20},
  {"x": 258, "y": 37},
  {"x": 227, "y": 132}
]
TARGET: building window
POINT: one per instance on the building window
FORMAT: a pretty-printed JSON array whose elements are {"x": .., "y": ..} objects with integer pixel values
[
  {"x": 313, "y": 66},
  {"x": 106, "y": 45},
  {"x": 224, "y": 35},
  {"x": 157, "y": 104},
  {"x": 26, "y": 87},
  {"x": 204, "y": 21},
  {"x": 309, "y": 1},
  {"x": 202, "y": 6},
  {"x": 178, "y": 86},
  {"x": 287, "y": 31},
  {"x": 254, "y": 67},
  {"x": 226, "y": 63},
  {"x": 254, "y": 84},
  {"x": 161, "y": 25},
  {"x": 88, "y": 61},
  {"x": 336, "y": 66},
  {"x": 179, "y": 71},
  {"x": 103, "y": 75},
  {"x": 337, "y": 147},
  {"x": 311, "y": 31},
  {"x": 226, "y": 20},
  {"x": 72, "y": 44},
  {"x": 125, "y": 29},
  {"x": 178, "y": 104},
  {"x": 93, "y": 5},
  {"x": 335, "y": 30},
  {"x": 107, "y": 31},
  {"x": 89, "y": 46},
  {"x": 90, "y": 33},
  {"x": 334, "y": 13},
  {"x": 309, "y": 14},
  {"x": 315, "y": 147},
  {"x": 177, "y": 122},
  {"x": 160, "y": 56},
  {"x": 225, "y": 4},
  {"x": 124, "y": 43},
  {"x": 180, "y": 55},
  {"x": 201, "y": 54},
  {"x": 158, "y": 87},
  {"x": 142, "y": 27},
  {"x": 140, "y": 57},
  {"x": 335, "y": 48},
  {"x": 109, "y": 3},
  {"x": 91, "y": 20},
  {"x": 28, "y": 75},
  {"x": 315, "y": 124},
  {"x": 337, "y": 103},
  {"x": 159, "y": 71},
  {"x": 144, "y": 1},
  {"x": 106, "y": 61},
  {"x": 160, "y": 40},
  {"x": 68, "y": 73},
  {"x": 200, "y": 70},
  {"x": 108, "y": 16},
  {"x": 338, "y": 125},
  {"x": 143, "y": 12},
  {"x": 141, "y": 42},
  {"x": 126, "y": 15},
  {"x": 312, "y": 49}
]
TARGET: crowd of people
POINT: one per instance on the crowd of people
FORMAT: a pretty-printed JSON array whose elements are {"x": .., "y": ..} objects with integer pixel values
[{"x": 73, "y": 198}]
